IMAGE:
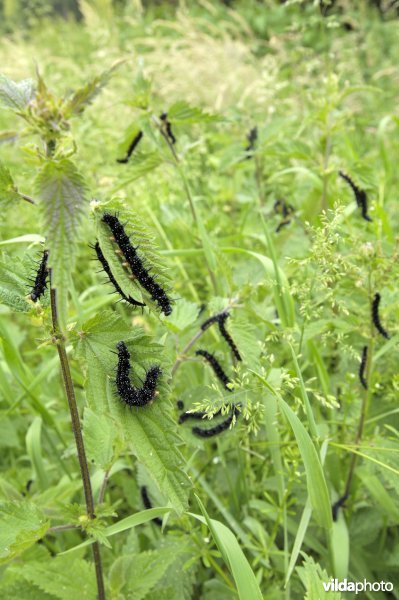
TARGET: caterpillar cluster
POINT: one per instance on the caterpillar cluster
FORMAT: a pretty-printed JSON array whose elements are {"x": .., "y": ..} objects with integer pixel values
[
  {"x": 219, "y": 428},
  {"x": 216, "y": 367},
  {"x": 129, "y": 394},
  {"x": 360, "y": 196},
  {"x": 136, "y": 265},
  {"x": 220, "y": 319},
  {"x": 168, "y": 128},
  {"x": 40, "y": 280},
  {"x": 252, "y": 137},
  {"x": 362, "y": 368},
  {"x": 147, "y": 503},
  {"x": 134, "y": 143},
  {"x": 376, "y": 317},
  {"x": 340, "y": 503},
  {"x": 107, "y": 270}
]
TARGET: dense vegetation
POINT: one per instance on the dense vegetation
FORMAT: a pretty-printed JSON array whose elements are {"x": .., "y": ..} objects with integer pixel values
[{"x": 261, "y": 183}]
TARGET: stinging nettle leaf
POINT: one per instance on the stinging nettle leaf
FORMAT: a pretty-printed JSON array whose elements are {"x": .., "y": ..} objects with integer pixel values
[
  {"x": 62, "y": 193},
  {"x": 16, "y": 95},
  {"x": 181, "y": 113},
  {"x": 21, "y": 525},
  {"x": 8, "y": 190}
]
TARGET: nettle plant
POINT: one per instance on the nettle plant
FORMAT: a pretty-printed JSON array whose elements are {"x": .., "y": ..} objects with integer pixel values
[{"x": 124, "y": 383}]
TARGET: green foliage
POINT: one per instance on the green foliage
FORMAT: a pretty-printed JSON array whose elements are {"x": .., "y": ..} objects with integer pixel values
[{"x": 207, "y": 216}]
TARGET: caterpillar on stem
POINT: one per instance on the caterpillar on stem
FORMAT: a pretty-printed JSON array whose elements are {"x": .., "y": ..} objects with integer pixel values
[
  {"x": 133, "y": 145},
  {"x": 376, "y": 317},
  {"x": 362, "y": 368},
  {"x": 217, "y": 429},
  {"x": 360, "y": 196},
  {"x": 40, "y": 281},
  {"x": 168, "y": 128},
  {"x": 216, "y": 366}
]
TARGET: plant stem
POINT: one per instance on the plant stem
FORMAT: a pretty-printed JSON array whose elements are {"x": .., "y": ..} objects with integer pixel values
[{"x": 77, "y": 431}]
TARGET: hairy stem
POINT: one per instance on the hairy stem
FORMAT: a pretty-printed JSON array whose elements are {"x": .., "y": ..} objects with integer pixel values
[{"x": 77, "y": 431}]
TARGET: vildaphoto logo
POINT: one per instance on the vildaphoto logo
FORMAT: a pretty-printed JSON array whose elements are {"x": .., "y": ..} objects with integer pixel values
[{"x": 335, "y": 585}]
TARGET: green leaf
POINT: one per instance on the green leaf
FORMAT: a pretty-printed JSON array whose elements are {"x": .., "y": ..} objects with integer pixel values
[
  {"x": 181, "y": 113},
  {"x": 34, "y": 449},
  {"x": 233, "y": 556},
  {"x": 184, "y": 314},
  {"x": 139, "y": 573},
  {"x": 312, "y": 577},
  {"x": 82, "y": 97},
  {"x": 62, "y": 193},
  {"x": 140, "y": 164},
  {"x": 316, "y": 483},
  {"x": 13, "y": 285},
  {"x": 21, "y": 525},
  {"x": 63, "y": 577},
  {"x": 100, "y": 435},
  {"x": 8, "y": 190},
  {"x": 152, "y": 433},
  {"x": 16, "y": 95},
  {"x": 132, "y": 521}
]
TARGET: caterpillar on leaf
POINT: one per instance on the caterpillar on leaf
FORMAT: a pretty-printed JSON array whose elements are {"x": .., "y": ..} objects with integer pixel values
[
  {"x": 134, "y": 262},
  {"x": 127, "y": 392},
  {"x": 40, "y": 281}
]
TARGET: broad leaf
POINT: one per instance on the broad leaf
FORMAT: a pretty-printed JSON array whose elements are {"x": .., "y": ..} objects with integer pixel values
[
  {"x": 8, "y": 190},
  {"x": 64, "y": 577},
  {"x": 13, "y": 285},
  {"x": 182, "y": 113},
  {"x": 100, "y": 435},
  {"x": 86, "y": 94},
  {"x": 16, "y": 95},
  {"x": 62, "y": 193},
  {"x": 21, "y": 526}
]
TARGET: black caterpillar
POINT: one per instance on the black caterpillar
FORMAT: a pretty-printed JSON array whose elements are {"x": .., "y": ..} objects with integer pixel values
[
  {"x": 227, "y": 336},
  {"x": 252, "y": 136},
  {"x": 220, "y": 319},
  {"x": 362, "y": 368},
  {"x": 128, "y": 393},
  {"x": 337, "y": 505},
  {"x": 168, "y": 128},
  {"x": 131, "y": 148},
  {"x": 217, "y": 369},
  {"x": 136, "y": 265},
  {"x": 360, "y": 196},
  {"x": 40, "y": 281},
  {"x": 197, "y": 416},
  {"x": 107, "y": 270},
  {"x": 219, "y": 428},
  {"x": 180, "y": 405},
  {"x": 147, "y": 503},
  {"x": 376, "y": 317}
]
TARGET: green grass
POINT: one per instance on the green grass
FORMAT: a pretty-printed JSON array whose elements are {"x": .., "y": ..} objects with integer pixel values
[{"x": 257, "y": 522}]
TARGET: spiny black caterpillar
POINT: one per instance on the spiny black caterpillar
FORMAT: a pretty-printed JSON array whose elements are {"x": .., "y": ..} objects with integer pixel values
[
  {"x": 131, "y": 148},
  {"x": 283, "y": 208},
  {"x": 131, "y": 395},
  {"x": 252, "y": 136},
  {"x": 219, "y": 428},
  {"x": 197, "y": 416},
  {"x": 223, "y": 331},
  {"x": 362, "y": 368},
  {"x": 168, "y": 128},
  {"x": 136, "y": 265},
  {"x": 217, "y": 368},
  {"x": 340, "y": 503},
  {"x": 376, "y": 317},
  {"x": 220, "y": 319},
  {"x": 360, "y": 196},
  {"x": 147, "y": 503},
  {"x": 107, "y": 270},
  {"x": 180, "y": 405},
  {"x": 40, "y": 281}
]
